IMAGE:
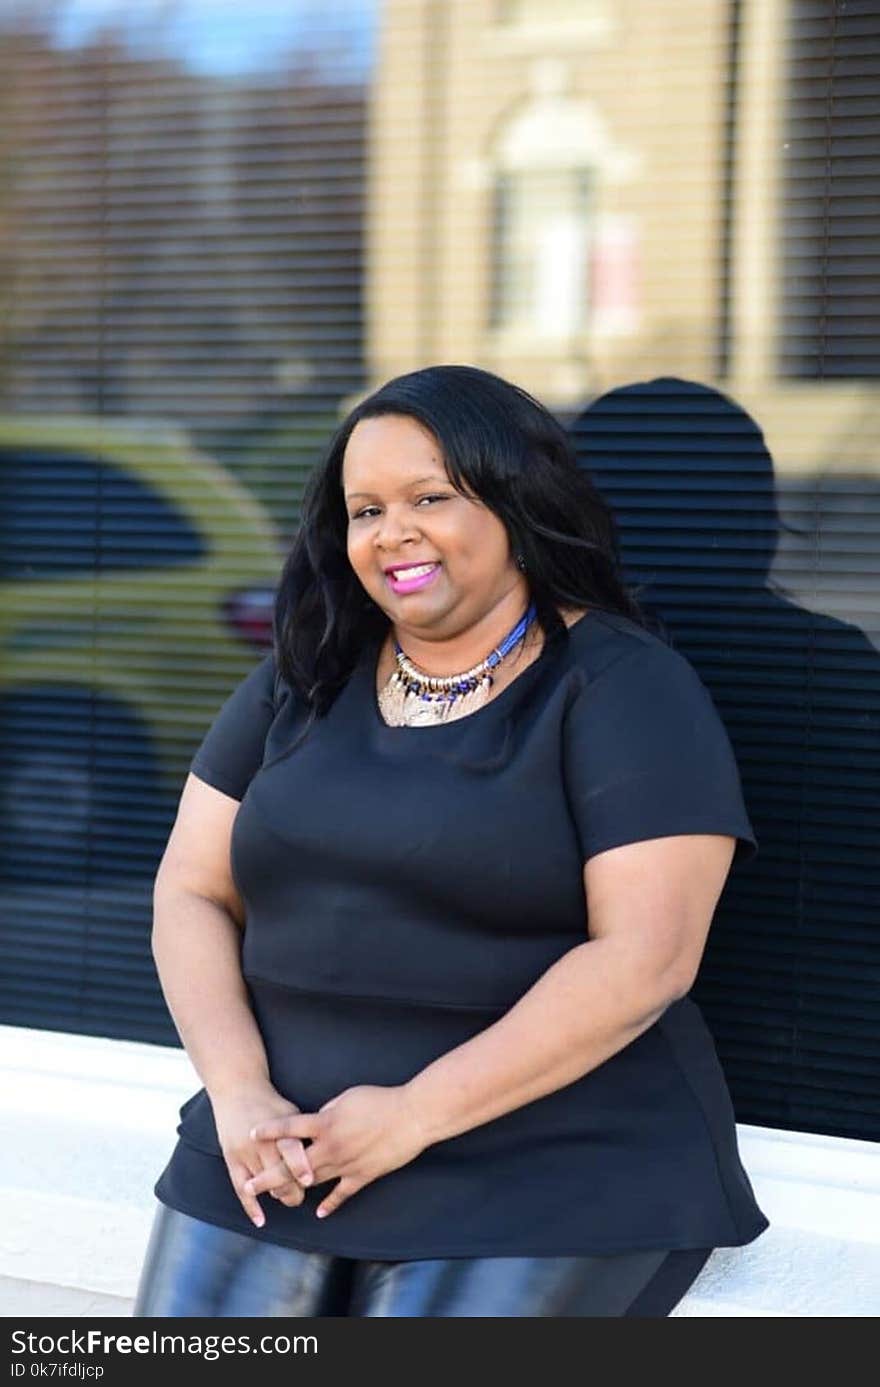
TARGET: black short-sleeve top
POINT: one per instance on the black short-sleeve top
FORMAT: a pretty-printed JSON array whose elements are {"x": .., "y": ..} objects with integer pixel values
[{"x": 404, "y": 886}]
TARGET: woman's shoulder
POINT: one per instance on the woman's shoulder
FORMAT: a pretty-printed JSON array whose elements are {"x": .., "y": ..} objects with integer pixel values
[
  {"x": 627, "y": 674},
  {"x": 598, "y": 640}
]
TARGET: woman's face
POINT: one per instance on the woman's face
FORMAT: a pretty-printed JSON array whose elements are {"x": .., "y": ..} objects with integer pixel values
[{"x": 403, "y": 510}]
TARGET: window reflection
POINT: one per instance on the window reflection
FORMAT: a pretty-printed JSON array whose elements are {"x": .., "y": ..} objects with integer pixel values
[
  {"x": 541, "y": 252},
  {"x": 219, "y": 225}
]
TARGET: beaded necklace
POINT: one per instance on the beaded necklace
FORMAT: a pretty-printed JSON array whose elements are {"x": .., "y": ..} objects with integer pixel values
[{"x": 412, "y": 698}]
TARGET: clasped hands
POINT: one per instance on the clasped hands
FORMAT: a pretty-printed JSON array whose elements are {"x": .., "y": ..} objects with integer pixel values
[{"x": 358, "y": 1136}]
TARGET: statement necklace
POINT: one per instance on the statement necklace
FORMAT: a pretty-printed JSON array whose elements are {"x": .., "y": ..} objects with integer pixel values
[{"x": 412, "y": 698}]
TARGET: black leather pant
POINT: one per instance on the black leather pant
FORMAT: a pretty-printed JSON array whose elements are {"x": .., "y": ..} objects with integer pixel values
[{"x": 194, "y": 1269}]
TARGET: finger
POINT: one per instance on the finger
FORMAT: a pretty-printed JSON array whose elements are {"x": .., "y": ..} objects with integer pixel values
[
  {"x": 341, "y": 1191},
  {"x": 295, "y": 1124},
  {"x": 297, "y": 1160},
  {"x": 294, "y": 1156},
  {"x": 239, "y": 1174},
  {"x": 270, "y": 1177},
  {"x": 291, "y": 1194}
]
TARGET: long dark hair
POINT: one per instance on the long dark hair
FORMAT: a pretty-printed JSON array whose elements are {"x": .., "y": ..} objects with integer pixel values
[{"x": 501, "y": 444}]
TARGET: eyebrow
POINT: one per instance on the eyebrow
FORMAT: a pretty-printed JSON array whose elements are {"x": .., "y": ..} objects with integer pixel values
[{"x": 434, "y": 477}]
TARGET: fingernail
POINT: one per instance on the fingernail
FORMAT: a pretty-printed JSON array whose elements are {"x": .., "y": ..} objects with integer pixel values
[
  {"x": 259, "y": 1220},
  {"x": 306, "y": 1177},
  {"x": 322, "y": 1213}
]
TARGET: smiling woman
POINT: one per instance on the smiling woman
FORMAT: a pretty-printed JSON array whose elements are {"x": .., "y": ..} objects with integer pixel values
[
  {"x": 443, "y": 552},
  {"x": 422, "y": 535},
  {"x": 457, "y": 1022}
]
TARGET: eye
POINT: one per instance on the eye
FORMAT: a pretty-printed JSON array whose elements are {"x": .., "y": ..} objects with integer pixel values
[{"x": 432, "y": 497}]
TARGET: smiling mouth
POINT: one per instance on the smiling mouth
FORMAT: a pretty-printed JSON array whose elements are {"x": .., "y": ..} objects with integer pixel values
[
  {"x": 405, "y": 581},
  {"x": 403, "y": 575}
]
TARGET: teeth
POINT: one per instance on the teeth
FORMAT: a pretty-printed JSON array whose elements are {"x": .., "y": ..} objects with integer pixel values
[{"x": 399, "y": 573}]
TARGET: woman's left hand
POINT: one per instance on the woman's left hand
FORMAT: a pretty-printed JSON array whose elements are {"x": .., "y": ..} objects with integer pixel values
[{"x": 362, "y": 1133}]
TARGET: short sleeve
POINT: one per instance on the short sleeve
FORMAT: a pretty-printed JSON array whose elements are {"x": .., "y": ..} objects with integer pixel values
[
  {"x": 646, "y": 755},
  {"x": 231, "y": 751}
]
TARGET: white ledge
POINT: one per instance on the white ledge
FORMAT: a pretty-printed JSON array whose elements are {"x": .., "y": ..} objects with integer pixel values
[{"x": 91, "y": 1122}]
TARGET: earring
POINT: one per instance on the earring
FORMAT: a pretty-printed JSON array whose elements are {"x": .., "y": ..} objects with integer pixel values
[{"x": 520, "y": 561}]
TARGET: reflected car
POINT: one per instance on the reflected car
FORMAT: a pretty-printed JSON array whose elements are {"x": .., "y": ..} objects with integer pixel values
[{"x": 138, "y": 581}]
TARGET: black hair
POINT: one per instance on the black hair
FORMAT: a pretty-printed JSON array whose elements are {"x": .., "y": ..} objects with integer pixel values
[{"x": 499, "y": 443}]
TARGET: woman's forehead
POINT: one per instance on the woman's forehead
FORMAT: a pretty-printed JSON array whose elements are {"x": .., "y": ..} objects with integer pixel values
[
  {"x": 391, "y": 429},
  {"x": 395, "y": 456}
]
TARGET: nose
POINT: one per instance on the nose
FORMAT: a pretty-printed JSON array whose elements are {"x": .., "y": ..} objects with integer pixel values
[{"x": 393, "y": 530}]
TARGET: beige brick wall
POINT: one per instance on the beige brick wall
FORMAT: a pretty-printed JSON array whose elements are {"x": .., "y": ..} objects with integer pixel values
[{"x": 649, "y": 79}]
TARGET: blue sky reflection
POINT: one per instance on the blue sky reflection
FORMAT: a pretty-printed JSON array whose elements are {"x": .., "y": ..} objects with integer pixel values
[{"x": 221, "y": 37}]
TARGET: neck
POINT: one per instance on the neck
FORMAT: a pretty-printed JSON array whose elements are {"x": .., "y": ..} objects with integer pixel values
[{"x": 450, "y": 650}]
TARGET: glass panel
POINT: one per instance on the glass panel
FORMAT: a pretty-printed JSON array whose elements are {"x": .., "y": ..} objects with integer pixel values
[
  {"x": 222, "y": 224},
  {"x": 542, "y": 251}
]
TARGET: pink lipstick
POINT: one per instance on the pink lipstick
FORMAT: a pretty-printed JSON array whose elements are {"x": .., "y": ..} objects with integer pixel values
[{"x": 412, "y": 584}]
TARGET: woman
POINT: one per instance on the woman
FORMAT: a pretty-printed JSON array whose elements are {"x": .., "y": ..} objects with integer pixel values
[{"x": 439, "y": 883}]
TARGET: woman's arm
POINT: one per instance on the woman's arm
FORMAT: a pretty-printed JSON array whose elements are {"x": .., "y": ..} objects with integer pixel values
[
  {"x": 196, "y": 942},
  {"x": 650, "y": 907}
]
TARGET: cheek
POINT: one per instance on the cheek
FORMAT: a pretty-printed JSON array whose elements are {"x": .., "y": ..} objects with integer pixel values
[
  {"x": 458, "y": 538},
  {"x": 358, "y": 549},
  {"x": 478, "y": 546}
]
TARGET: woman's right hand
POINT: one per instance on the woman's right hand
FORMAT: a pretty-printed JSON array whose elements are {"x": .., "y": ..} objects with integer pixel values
[{"x": 236, "y": 1110}]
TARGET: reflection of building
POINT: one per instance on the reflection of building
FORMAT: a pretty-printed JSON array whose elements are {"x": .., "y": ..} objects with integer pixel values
[
  {"x": 579, "y": 193},
  {"x": 598, "y": 193},
  {"x": 557, "y": 169},
  {"x": 160, "y": 230}
]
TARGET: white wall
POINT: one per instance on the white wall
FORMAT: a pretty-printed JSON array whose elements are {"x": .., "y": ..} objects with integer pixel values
[{"x": 89, "y": 1123}]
